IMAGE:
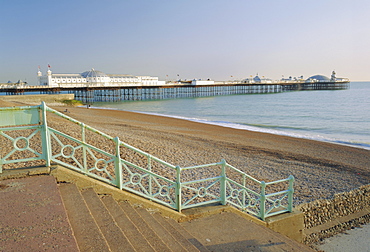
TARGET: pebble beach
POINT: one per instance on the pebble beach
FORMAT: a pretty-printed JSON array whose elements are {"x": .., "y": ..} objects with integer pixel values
[{"x": 320, "y": 169}]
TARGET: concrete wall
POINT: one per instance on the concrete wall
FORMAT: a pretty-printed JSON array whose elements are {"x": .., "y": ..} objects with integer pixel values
[{"x": 49, "y": 99}]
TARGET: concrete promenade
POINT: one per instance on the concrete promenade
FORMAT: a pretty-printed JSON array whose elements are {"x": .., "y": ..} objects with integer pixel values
[{"x": 356, "y": 239}]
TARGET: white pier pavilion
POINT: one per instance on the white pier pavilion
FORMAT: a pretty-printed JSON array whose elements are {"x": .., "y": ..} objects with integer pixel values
[{"x": 94, "y": 78}]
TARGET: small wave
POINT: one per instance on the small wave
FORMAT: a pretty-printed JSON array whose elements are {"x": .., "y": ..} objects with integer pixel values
[
  {"x": 279, "y": 127},
  {"x": 355, "y": 144},
  {"x": 270, "y": 129}
]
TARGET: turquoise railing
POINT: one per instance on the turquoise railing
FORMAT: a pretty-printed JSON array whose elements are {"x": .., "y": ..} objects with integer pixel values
[{"x": 26, "y": 137}]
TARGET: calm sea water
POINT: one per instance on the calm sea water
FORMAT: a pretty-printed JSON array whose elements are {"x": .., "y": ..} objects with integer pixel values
[{"x": 341, "y": 116}]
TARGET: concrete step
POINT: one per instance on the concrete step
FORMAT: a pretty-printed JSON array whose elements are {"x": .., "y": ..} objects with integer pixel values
[
  {"x": 63, "y": 211},
  {"x": 176, "y": 230},
  {"x": 87, "y": 233},
  {"x": 154, "y": 240},
  {"x": 166, "y": 236},
  {"x": 137, "y": 240},
  {"x": 116, "y": 239},
  {"x": 100, "y": 223}
]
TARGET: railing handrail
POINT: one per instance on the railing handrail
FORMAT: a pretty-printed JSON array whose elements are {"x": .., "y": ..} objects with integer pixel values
[{"x": 171, "y": 191}]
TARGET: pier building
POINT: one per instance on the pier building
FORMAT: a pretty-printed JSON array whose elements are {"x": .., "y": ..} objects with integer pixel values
[
  {"x": 94, "y": 78},
  {"x": 257, "y": 79},
  {"x": 325, "y": 79}
]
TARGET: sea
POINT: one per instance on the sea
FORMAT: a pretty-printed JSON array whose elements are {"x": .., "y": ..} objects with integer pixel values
[{"x": 336, "y": 116}]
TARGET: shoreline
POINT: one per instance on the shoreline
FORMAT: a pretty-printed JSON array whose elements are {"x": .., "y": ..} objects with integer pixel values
[{"x": 250, "y": 128}]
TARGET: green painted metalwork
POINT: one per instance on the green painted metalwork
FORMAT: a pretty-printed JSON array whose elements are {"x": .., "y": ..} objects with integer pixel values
[
  {"x": 178, "y": 187},
  {"x": 15, "y": 116}
]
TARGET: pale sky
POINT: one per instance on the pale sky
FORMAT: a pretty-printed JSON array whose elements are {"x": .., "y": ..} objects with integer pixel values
[{"x": 192, "y": 38}]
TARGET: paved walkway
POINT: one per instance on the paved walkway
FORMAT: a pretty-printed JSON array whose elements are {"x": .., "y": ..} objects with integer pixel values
[{"x": 357, "y": 239}]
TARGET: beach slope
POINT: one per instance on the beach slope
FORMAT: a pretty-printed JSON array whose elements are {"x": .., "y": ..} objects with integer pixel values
[{"x": 320, "y": 169}]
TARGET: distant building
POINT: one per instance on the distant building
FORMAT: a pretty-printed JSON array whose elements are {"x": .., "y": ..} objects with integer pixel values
[
  {"x": 318, "y": 78},
  {"x": 95, "y": 78},
  {"x": 292, "y": 79},
  {"x": 257, "y": 79},
  {"x": 18, "y": 83},
  {"x": 202, "y": 82},
  {"x": 323, "y": 78}
]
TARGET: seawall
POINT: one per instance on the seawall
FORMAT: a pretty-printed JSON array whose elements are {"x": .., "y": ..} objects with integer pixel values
[
  {"x": 49, "y": 99},
  {"x": 310, "y": 223},
  {"x": 326, "y": 217}
]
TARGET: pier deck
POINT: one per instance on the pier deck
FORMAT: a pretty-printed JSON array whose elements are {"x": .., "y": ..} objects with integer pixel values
[{"x": 89, "y": 93}]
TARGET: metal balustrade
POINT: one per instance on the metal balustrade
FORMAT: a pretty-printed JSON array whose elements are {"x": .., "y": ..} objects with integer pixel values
[{"x": 25, "y": 136}]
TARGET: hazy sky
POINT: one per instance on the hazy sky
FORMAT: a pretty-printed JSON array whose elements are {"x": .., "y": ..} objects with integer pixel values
[{"x": 193, "y": 38}]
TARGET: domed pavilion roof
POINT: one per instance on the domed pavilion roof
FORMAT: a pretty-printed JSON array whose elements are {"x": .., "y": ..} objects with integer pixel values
[
  {"x": 257, "y": 78},
  {"x": 93, "y": 73},
  {"x": 319, "y": 78}
]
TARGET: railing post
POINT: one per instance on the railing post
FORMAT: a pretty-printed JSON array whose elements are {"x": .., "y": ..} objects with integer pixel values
[
  {"x": 223, "y": 182},
  {"x": 118, "y": 164},
  {"x": 263, "y": 200},
  {"x": 1, "y": 160},
  {"x": 178, "y": 188},
  {"x": 84, "y": 169},
  {"x": 46, "y": 150},
  {"x": 244, "y": 185},
  {"x": 290, "y": 193},
  {"x": 150, "y": 176}
]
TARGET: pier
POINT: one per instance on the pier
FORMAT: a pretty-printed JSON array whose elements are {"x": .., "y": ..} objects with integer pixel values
[{"x": 94, "y": 93}]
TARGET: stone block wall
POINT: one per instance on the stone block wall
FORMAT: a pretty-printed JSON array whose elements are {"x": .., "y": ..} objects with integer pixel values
[{"x": 327, "y": 217}]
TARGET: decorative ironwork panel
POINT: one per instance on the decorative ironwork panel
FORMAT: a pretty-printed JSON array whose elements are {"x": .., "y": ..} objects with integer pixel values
[
  {"x": 276, "y": 203},
  {"x": 82, "y": 157},
  {"x": 148, "y": 184},
  {"x": 21, "y": 145},
  {"x": 242, "y": 197},
  {"x": 200, "y": 192}
]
